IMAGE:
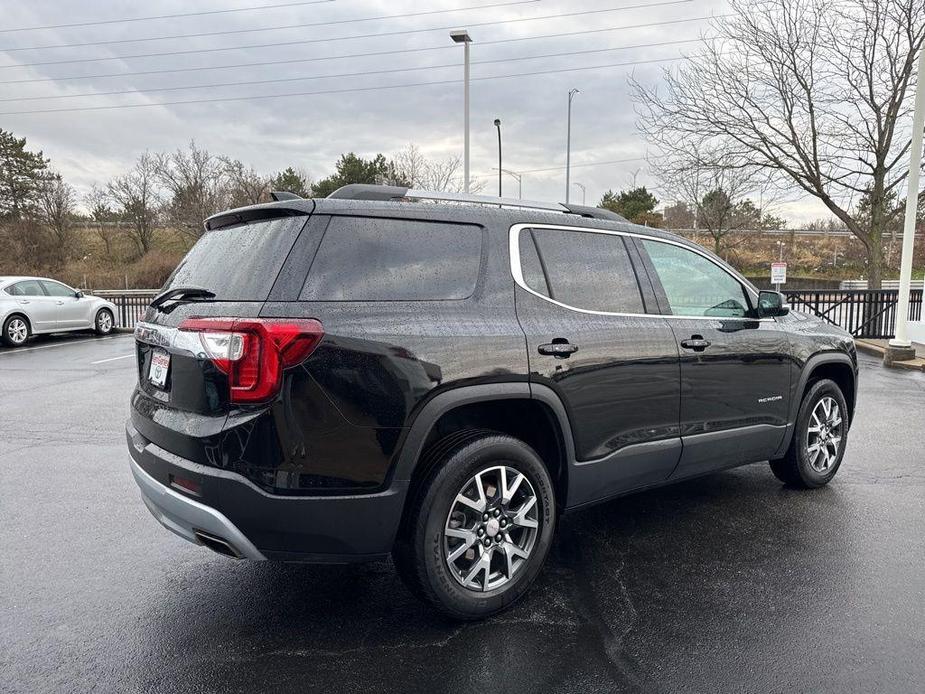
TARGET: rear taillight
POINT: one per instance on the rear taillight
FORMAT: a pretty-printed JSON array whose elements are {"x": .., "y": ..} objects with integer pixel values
[{"x": 254, "y": 352}]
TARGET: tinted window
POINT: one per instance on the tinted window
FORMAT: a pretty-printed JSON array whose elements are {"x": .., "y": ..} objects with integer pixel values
[
  {"x": 239, "y": 263},
  {"x": 368, "y": 259},
  {"x": 581, "y": 269},
  {"x": 696, "y": 286},
  {"x": 27, "y": 288},
  {"x": 57, "y": 289}
]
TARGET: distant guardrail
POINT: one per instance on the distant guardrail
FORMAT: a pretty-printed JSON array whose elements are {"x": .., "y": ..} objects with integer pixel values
[
  {"x": 130, "y": 303},
  {"x": 884, "y": 284}
]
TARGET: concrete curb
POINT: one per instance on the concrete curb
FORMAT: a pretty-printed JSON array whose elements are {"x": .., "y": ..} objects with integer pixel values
[{"x": 872, "y": 348}]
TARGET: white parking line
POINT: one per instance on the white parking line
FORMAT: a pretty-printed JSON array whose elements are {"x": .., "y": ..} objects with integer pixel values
[
  {"x": 103, "y": 361},
  {"x": 20, "y": 350}
]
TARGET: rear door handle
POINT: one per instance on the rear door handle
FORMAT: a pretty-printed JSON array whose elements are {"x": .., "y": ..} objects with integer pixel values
[
  {"x": 560, "y": 350},
  {"x": 23, "y": 302},
  {"x": 696, "y": 343},
  {"x": 60, "y": 303}
]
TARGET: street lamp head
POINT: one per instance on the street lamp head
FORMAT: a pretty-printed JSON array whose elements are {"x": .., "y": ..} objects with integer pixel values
[
  {"x": 461, "y": 36},
  {"x": 497, "y": 122},
  {"x": 573, "y": 92}
]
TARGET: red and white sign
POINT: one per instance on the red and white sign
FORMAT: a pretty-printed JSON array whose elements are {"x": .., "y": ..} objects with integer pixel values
[{"x": 778, "y": 273}]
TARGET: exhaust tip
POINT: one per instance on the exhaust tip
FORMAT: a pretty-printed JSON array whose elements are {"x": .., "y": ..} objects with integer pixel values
[{"x": 217, "y": 544}]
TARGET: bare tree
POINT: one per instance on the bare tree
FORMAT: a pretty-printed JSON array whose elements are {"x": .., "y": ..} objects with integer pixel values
[
  {"x": 815, "y": 92},
  {"x": 135, "y": 197},
  {"x": 715, "y": 191},
  {"x": 97, "y": 202},
  {"x": 412, "y": 167},
  {"x": 56, "y": 211},
  {"x": 244, "y": 185},
  {"x": 194, "y": 181}
]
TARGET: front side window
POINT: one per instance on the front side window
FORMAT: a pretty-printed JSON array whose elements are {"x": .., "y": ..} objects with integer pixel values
[
  {"x": 694, "y": 285},
  {"x": 378, "y": 259},
  {"x": 581, "y": 269},
  {"x": 26, "y": 288},
  {"x": 57, "y": 289}
]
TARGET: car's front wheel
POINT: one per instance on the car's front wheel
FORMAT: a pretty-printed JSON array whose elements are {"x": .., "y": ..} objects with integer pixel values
[
  {"x": 15, "y": 331},
  {"x": 819, "y": 438},
  {"x": 104, "y": 322},
  {"x": 480, "y": 526}
]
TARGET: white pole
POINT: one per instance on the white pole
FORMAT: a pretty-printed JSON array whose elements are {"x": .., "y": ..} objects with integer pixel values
[
  {"x": 912, "y": 198},
  {"x": 466, "y": 119},
  {"x": 568, "y": 144}
]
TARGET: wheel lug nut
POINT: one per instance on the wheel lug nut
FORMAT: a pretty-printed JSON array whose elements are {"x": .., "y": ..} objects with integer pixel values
[
  {"x": 497, "y": 513},
  {"x": 487, "y": 542},
  {"x": 481, "y": 531},
  {"x": 484, "y": 516}
]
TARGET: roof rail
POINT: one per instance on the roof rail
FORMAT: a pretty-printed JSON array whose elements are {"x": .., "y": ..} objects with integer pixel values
[{"x": 363, "y": 191}]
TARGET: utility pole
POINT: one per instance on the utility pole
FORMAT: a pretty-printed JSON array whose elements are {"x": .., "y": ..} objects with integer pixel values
[
  {"x": 568, "y": 144},
  {"x": 463, "y": 37},
  {"x": 900, "y": 347}
]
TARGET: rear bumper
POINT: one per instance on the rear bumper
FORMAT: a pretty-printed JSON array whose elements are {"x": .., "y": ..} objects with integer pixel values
[
  {"x": 256, "y": 524},
  {"x": 189, "y": 519}
]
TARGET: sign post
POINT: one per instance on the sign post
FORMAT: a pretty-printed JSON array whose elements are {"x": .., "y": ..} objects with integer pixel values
[{"x": 778, "y": 274}]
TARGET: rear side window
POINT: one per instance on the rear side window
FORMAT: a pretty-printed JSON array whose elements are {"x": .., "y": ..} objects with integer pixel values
[
  {"x": 241, "y": 262},
  {"x": 26, "y": 288},
  {"x": 583, "y": 270},
  {"x": 57, "y": 289},
  {"x": 376, "y": 259}
]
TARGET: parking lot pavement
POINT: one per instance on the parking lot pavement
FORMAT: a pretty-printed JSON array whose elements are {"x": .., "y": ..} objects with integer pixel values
[{"x": 726, "y": 583}]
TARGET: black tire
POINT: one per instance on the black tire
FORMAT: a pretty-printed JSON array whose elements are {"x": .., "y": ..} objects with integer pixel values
[
  {"x": 12, "y": 335},
  {"x": 420, "y": 553},
  {"x": 797, "y": 467},
  {"x": 100, "y": 324}
]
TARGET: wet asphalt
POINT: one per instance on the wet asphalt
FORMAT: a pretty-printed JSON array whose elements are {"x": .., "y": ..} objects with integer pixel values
[{"x": 729, "y": 583}]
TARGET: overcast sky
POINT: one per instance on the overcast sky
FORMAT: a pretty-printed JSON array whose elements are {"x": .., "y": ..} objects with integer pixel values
[{"x": 310, "y": 131}]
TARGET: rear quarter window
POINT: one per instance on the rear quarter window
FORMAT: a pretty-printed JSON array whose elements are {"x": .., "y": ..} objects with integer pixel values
[
  {"x": 377, "y": 259},
  {"x": 240, "y": 262}
]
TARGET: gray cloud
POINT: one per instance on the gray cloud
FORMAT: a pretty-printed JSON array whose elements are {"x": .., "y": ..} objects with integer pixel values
[{"x": 312, "y": 131}]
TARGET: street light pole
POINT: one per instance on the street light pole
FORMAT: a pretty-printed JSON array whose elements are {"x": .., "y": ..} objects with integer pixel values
[
  {"x": 498, "y": 126},
  {"x": 519, "y": 177},
  {"x": 568, "y": 144},
  {"x": 584, "y": 191},
  {"x": 463, "y": 37},
  {"x": 900, "y": 347}
]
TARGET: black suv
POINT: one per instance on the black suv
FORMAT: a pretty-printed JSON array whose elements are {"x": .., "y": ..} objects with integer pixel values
[{"x": 440, "y": 376}]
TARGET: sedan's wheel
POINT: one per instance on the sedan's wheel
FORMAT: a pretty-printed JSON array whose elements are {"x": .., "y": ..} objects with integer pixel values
[
  {"x": 818, "y": 443},
  {"x": 103, "y": 321},
  {"x": 15, "y": 331},
  {"x": 479, "y": 527}
]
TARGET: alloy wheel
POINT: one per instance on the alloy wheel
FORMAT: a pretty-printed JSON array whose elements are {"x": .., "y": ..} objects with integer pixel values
[
  {"x": 824, "y": 434},
  {"x": 104, "y": 322},
  {"x": 491, "y": 528},
  {"x": 17, "y": 330}
]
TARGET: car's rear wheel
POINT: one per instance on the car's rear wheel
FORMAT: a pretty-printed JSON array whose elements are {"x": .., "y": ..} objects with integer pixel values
[
  {"x": 15, "y": 331},
  {"x": 479, "y": 528},
  {"x": 104, "y": 322},
  {"x": 818, "y": 444}
]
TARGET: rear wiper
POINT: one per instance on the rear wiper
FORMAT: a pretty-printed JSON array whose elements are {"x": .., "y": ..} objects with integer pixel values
[{"x": 181, "y": 293}]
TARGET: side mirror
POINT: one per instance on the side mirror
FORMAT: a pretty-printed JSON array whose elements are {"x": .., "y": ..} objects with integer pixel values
[
  {"x": 79, "y": 294},
  {"x": 771, "y": 304}
]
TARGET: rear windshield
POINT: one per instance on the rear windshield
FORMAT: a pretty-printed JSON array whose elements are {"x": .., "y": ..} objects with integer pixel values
[{"x": 239, "y": 263}]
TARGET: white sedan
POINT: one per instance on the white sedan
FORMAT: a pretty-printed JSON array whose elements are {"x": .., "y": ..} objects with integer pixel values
[{"x": 36, "y": 305}]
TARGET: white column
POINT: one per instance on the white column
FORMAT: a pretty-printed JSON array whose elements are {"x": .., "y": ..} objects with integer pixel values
[{"x": 912, "y": 198}]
